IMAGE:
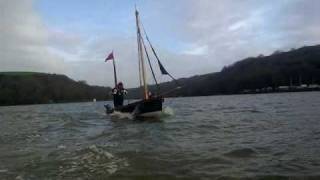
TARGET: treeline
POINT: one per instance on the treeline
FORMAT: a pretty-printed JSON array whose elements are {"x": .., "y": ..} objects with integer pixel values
[
  {"x": 295, "y": 67},
  {"x": 292, "y": 68},
  {"x": 36, "y": 88}
]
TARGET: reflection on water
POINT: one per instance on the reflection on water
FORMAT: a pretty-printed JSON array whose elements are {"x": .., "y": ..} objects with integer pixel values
[{"x": 242, "y": 136}]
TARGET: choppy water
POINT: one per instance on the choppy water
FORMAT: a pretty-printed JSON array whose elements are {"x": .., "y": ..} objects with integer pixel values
[{"x": 242, "y": 136}]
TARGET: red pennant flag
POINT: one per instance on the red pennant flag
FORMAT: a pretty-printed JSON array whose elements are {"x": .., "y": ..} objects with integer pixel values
[{"x": 110, "y": 56}]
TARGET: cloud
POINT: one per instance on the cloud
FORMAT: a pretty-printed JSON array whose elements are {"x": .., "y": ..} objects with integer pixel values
[
  {"x": 91, "y": 66},
  {"x": 247, "y": 28},
  {"x": 24, "y": 40},
  {"x": 190, "y": 36},
  {"x": 196, "y": 50}
]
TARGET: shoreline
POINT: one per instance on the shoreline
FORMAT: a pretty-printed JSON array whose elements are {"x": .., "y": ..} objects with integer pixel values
[{"x": 251, "y": 93}]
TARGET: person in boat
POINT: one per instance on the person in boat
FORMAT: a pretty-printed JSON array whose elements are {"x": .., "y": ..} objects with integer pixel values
[
  {"x": 118, "y": 93},
  {"x": 151, "y": 95}
]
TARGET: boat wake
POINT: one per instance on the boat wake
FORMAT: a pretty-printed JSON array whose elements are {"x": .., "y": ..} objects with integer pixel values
[
  {"x": 116, "y": 115},
  {"x": 121, "y": 115},
  {"x": 167, "y": 111}
]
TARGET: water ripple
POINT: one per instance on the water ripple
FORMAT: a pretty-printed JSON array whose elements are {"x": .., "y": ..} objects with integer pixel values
[{"x": 267, "y": 136}]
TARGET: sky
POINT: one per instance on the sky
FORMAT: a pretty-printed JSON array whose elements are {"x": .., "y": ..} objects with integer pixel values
[{"x": 192, "y": 37}]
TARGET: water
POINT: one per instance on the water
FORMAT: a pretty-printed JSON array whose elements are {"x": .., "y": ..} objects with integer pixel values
[{"x": 242, "y": 136}]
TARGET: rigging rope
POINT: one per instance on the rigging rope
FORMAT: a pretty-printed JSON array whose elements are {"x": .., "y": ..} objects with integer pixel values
[{"x": 155, "y": 54}]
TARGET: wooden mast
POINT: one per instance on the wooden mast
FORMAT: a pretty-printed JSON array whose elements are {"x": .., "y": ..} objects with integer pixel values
[
  {"x": 141, "y": 59},
  {"x": 114, "y": 72}
]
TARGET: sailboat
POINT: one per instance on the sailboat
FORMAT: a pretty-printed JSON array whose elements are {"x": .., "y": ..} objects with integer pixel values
[{"x": 150, "y": 104}]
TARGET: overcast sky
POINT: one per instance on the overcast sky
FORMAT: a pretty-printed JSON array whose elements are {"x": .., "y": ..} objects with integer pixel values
[{"x": 191, "y": 36}]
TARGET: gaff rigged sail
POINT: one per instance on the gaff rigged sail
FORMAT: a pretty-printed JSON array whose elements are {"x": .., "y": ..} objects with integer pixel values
[
  {"x": 142, "y": 50},
  {"x": 162, "y": 69}
]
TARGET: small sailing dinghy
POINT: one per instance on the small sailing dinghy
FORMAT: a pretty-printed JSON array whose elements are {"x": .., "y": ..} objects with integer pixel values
[{"x": 151, "y": 104}]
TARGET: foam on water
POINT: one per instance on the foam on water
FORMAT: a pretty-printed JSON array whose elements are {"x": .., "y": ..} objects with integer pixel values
[
  {"x": 168, "y": 111},
  {"x": 120, "y": 115},
  {"x": 61, "y": 147},
  {"x": 93, "y": 160},
  {"x": 3, "y": 170}
]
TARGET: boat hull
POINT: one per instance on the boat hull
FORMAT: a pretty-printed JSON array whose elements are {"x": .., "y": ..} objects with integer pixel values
[
  {"x": 153, "y": 114},
  {"x": 144, "y": 108}
]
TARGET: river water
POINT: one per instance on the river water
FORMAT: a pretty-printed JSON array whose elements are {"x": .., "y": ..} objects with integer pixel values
[{"x": 217, "y": 137}]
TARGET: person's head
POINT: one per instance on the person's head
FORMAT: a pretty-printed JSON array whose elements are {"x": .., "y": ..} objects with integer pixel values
[{"x": 120, "y": 85}]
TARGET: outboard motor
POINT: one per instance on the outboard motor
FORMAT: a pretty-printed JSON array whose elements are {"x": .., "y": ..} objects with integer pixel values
[{"x": 109, "y": 109}]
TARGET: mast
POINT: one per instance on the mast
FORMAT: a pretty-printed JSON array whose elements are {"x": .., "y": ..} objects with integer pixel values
[
  {"x": 115, "y": 72},
  {"x": 141, "y": 59}
]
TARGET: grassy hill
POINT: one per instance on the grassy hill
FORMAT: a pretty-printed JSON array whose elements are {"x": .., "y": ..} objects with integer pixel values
[
  {"x": 295, "y": 67},
  {"x": 19, "y": 73},
  {"x": 34, "y": 88}
]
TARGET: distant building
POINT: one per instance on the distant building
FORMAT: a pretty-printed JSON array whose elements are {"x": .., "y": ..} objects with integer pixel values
[
  {"x": 293, "y": 87},
  {"x": 246, "y": 91},
  {"x": 314, "y": 86},
  {"x": 283, "y": 87}
]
